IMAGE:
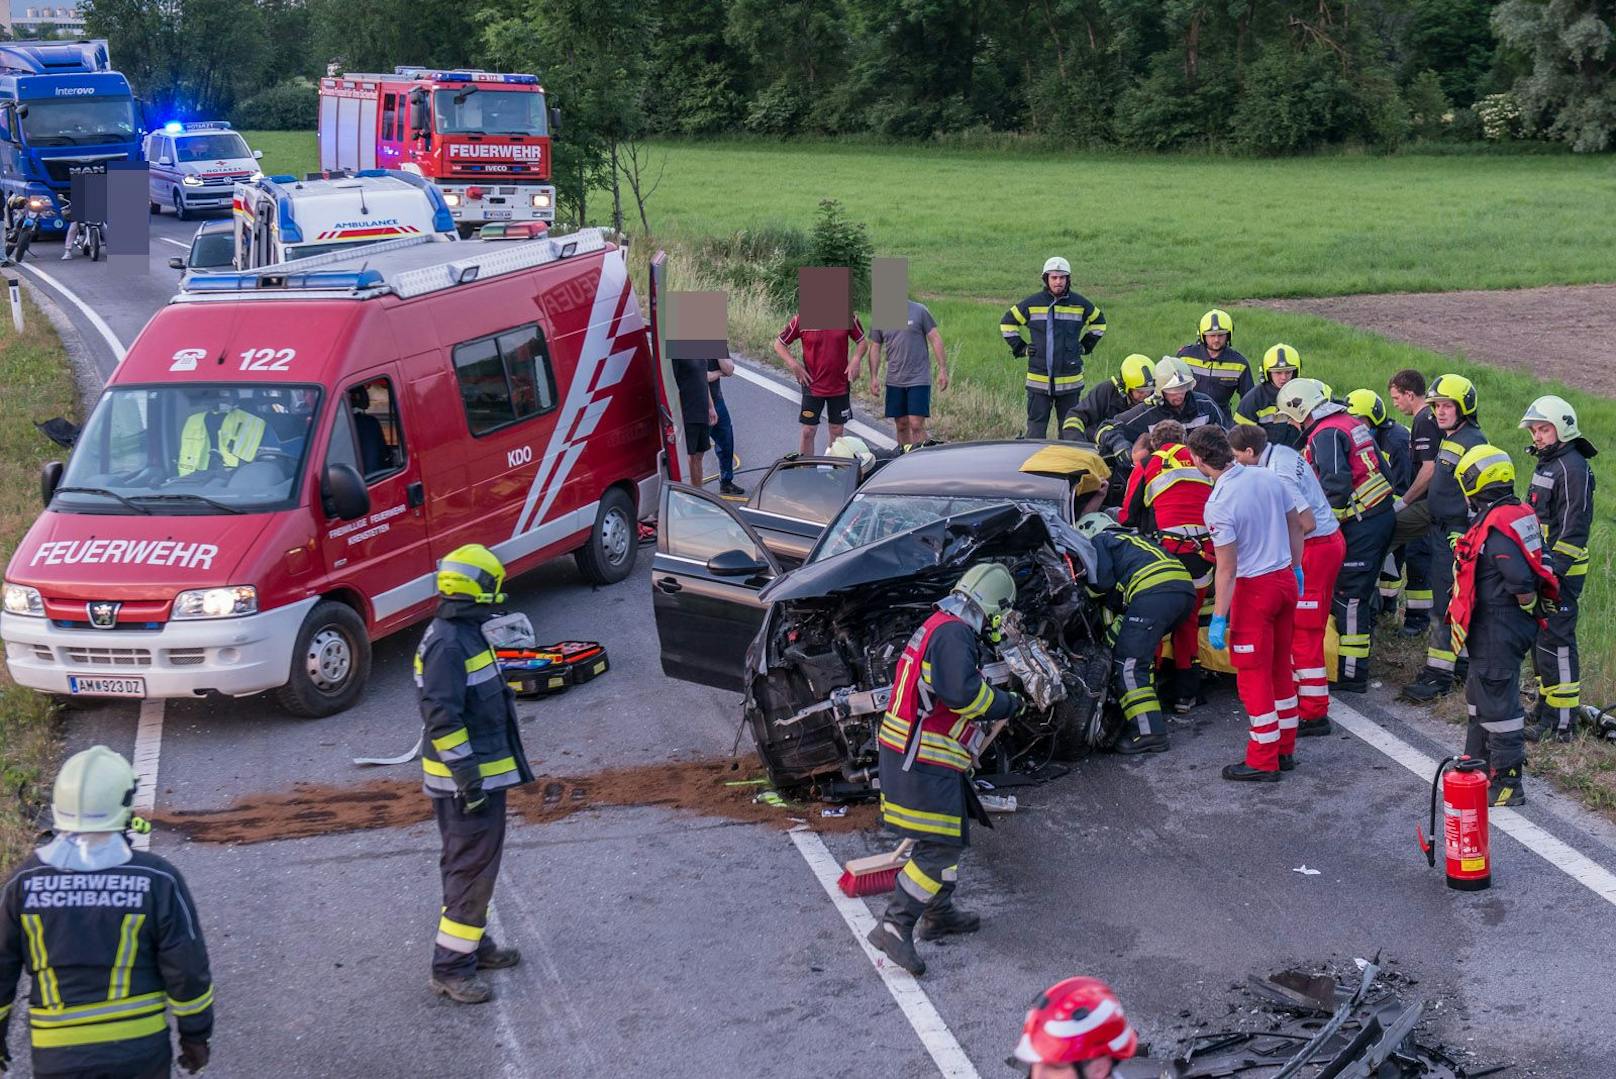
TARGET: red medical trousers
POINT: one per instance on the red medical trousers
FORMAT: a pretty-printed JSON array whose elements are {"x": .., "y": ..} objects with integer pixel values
[
  {"x": 1262, "y": 621},
  {"x": 1321, "y": 563}
]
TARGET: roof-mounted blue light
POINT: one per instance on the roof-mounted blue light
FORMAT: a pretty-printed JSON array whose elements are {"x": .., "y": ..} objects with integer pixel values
[
  {"x": 173, "y": 127},
  {"x": 266, "y": 278}
]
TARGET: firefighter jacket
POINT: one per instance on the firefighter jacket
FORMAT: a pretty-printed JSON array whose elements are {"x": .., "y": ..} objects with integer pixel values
[
  {"x": 1116, "y": 438},
  {"x": 1100, "y": 404},
  {"x": 1260, "y": 407},
  {"x": 1063, "y": 329},
  {"x": 1342, "y": 450},
  {"x": 1127, "y": 566},
  {"x": 1449, "y": 510},
  {"x": 937, "y": 693},
  {"x": 1562, "y": 495},
  {"x": 1167, "y": 499},
  {"x": 110, "y": 952},
  {"x": 468, "y": 711},
  {"x": 1499, "y": 559},
  {"x": 1395, "y": 448},
  {"x": 1224, "y": 378}
]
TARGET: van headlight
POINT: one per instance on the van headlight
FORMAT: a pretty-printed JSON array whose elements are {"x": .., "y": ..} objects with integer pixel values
[
  {"x": 191, "y": 181},
  {"x": 230, "y": 602},
  {"x": 20, "y": 599}
]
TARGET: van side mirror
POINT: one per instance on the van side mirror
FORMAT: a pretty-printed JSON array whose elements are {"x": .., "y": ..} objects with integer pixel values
[
  {"x": 418, "y": 117},
  {"x": 736, "y": 563},
  {"x": 258, "y": 155},
  {"x": 343, "y": 493},
  {"x": 50, "y": 477},
  {"x": 555, "y": 120},
  {"x": 165, "y": 160},
  {"x": 177, "y": 263}
]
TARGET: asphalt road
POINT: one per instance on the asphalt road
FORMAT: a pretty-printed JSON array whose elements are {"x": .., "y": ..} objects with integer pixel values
[{"x": 693, "y": 946}]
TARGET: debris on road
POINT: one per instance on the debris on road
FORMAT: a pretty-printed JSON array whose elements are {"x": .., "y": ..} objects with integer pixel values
[
  {"x": 1305, "y": 871},
  {"x": 700, "y": 787}
]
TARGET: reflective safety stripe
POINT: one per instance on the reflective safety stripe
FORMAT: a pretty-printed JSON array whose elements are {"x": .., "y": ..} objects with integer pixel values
[
  {"x": 979, "y": 704},
  {"x": 1563, "y": 695},
  {"x": 50, "y": 994},
  {"x": 83, "y": 1014},
  {"x": 1440, "y": 659},
  {"x": 191, "y": 1007},
  {"x": 937, "y": 749},
  {"x": 1355, "y": 645},
  {"x": 1419, "y": 599},
  {"x": 481, "y": 667},
  {"x": 1139, "y": 702},
  {"x": 1504, "y": 726},
  {"x": 1063, "y": 383},
  {"x": 459, "y": 937},
  {"x": 1170, "y": 476},
  {"x": 914, "y": 880},
  {"x": 1562, "y": 547},
  {"x": 128, "y": 945},
  {"x": 491, "y": 768},
  {"x": 99, "y": 1033},
  {"x": 1311, "y": 690},
  {"x": 917, "y": 820},
  {"x": 1262, "y": 738}
]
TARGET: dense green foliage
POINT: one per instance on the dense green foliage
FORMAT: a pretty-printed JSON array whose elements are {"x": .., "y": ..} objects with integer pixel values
[{"x": 1251, "y": 76}]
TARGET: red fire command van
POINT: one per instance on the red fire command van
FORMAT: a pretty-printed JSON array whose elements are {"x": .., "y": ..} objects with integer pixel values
[{"x": 273, "y": 471}]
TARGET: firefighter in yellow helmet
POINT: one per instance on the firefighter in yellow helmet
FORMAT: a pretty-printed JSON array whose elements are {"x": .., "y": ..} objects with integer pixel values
[
  {"x": 1133, "y": 383},
  {"x": 471, "y": 753},
  {"x": 1220, "y": 372},
  {"x": 1280, "y": 364},
  {"x": 109, "y": 936},
  {"x": 1502, "y": 591}
]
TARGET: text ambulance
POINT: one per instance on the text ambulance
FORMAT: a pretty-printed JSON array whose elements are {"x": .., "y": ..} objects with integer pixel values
[{"x": 272, "y": 473}]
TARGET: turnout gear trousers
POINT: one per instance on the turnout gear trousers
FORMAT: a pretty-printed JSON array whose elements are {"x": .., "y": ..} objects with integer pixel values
[
  {"x": 1562, "y": 496},
  {"x": 472, "y": 847},
  {"x": 1353, "y": 603},
  {"x": 1450, "y": 517},
  {"x": 1041, "y": 406},
  {"x": 1151, "y": 592},
  {"x": 112, "y": 954}
]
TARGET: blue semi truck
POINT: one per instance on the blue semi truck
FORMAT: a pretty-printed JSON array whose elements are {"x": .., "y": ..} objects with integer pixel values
[{"x": 63, "y": 111}]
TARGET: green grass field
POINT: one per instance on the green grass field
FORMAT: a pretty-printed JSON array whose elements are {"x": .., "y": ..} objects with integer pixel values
[{"x": 1156, "y": 241}]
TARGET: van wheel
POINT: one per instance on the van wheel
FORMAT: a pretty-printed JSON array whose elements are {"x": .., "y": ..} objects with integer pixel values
[
  {"x": 608, "y": 556},
  {"x": 330, "y": 663},
  {"x": 180, "y": 210}
]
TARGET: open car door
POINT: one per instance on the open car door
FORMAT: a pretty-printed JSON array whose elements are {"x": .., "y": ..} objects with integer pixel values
[
  {"x": 794, "y": 502},
  {"x": 705, "y": 578}
]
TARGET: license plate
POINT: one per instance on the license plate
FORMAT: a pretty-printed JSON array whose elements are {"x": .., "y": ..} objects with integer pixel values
[
  {"x": 498, "y": 215},
  {"x": 96, "y": 686}
]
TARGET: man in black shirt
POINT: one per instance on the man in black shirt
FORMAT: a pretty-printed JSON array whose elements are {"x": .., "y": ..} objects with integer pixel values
[{"x": 1407, "y": 393}]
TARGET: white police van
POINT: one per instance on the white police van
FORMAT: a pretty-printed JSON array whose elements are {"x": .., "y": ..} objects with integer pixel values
[{"x": 196, "y": 166}]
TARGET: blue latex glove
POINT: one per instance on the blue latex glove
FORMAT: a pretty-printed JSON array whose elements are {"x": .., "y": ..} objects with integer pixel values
[
  {"x": 1300, "y": 587},
  {"x": 1217, "y": 635}
]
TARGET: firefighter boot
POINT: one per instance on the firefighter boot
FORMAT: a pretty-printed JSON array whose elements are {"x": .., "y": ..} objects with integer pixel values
[
  {"x": 463, "y": 989},
  {"x": 1287, "y": 762},
  {"x": 1134, "y": 742},
  {"x": 1314, "y": 728},
  {"x": 1426, "y": 688},
  {"x": 1187, "y": 687},
  {"x": 491, "y": 956},
  {"x": 897, "y": 943},
  {"x": 941, "y": 921},
  {"x": 1242, "y": 772},
  {"x": 1506, "y": 788}
]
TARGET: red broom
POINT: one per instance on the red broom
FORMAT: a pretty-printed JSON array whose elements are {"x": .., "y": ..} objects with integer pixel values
[{"x": 875, "y": 875}]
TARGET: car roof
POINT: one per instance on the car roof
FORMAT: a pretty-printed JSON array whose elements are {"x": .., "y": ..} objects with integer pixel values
[{"x": 970, "y": 469}]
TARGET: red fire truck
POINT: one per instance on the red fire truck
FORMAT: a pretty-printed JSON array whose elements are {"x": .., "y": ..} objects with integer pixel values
[{"x": 481, "y": 136}]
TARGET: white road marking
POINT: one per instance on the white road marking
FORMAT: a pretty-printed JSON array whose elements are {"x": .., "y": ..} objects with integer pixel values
[
  {"x": 858, "y": 427},
  {"x": 85, "y": 309},
  {"x": 176, "y": 243},
  {"x": 148, "y": 747},
  {"x": 509, "y": 1033},
  {"x": 917, "y": 1007},
  {"x": 1570, "y": 861}
]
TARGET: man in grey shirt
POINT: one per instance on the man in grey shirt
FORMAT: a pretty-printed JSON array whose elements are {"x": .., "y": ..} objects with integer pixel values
[{"x": 909, "y": 377}]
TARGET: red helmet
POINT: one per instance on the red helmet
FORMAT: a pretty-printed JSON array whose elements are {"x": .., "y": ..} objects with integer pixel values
[{"x": 1076, "y": 1020}]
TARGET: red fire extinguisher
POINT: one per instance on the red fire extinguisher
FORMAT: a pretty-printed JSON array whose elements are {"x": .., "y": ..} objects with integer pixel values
[{"x": 1464, "y": 814}]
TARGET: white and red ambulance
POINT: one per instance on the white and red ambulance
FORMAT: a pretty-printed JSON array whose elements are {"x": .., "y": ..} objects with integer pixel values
[{"x": 274, "y": 470}]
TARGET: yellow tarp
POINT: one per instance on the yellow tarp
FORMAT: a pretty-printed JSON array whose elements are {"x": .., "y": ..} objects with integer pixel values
[{"x": 1070, "y": 462}]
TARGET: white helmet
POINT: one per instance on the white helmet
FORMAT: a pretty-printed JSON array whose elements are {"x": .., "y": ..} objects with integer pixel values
[
  {"x": 1299, "y": 397},
  {"x": 1172, "y": 373},
  {"x": 93, "y": 792},
  {"x": 1092, "y": 524},
  {"x": 1056, "y": 264},
  {"x": 853, "y": 448},
  {"x": 1555, "y": 410}
]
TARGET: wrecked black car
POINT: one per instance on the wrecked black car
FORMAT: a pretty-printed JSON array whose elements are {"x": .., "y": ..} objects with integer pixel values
[{"x": 813, "y": 650}]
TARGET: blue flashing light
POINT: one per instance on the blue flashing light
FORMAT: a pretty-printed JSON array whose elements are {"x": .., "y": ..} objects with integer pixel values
[
  {"x": 287, "y": 224},
  {"x": 371, "y": 172},
  {"x": 173, "y": 127},
  {"x": 282, "y": 178},
  {"x": 323, "y": 280}
]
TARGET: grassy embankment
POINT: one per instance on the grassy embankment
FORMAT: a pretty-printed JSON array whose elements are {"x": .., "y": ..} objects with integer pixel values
[
  {"x": 1156, "y": 241},
  {"x": 37, "y": 384}
]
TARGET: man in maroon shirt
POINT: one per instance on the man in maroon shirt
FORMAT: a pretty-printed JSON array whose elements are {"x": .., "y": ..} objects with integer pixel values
[{"x": 825, "y": 373}]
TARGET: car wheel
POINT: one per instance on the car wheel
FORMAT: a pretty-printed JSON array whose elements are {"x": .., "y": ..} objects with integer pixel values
[
  {"x": 330, "y": 662},
  {"x": 181, "y": 211},
  {"x": 608, "y": 556},
  {"x": 1085, "y": 720}
]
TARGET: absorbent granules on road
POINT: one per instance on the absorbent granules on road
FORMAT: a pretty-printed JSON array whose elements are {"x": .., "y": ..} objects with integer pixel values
[{"x": 707, "y": 788}]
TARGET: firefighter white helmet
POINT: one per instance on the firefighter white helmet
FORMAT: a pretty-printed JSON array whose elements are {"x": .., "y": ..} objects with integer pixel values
[
  {"x": 1299, "y": 397},
  {"x": 851, "y": 446},
  {"x": 1172, "y": 373},
  {"x": 93, "y": 792},
  {"x": 1555, "y": 410},
  {"x": 1056, "y": 264}
]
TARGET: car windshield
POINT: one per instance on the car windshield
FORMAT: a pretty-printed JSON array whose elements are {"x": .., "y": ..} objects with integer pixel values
[
  {"x": 477, "y": 110},
  {"x": 213, "y": 250},
  {"x": 225, "y": 146},
  {"x": 83, "y": 121},
  {"x": 192, "y": 449},
  {"x": 869, "y": 518}
]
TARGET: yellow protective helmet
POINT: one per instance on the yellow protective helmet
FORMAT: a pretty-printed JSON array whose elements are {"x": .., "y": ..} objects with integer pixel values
[
  {"x": 1216, "y": 321},
  {"x": 1367, "y": 405},
  {"x": 1483, "y": 466},
  {"x": 474, "y": 572},
  {"x": 1281, "y": 358},
  {"x": 1138, "y": 373},
  {"x": 1456, "y": 388},
  {"x": 1555, "y": 410},
  {"x": 93, "y": 792}
]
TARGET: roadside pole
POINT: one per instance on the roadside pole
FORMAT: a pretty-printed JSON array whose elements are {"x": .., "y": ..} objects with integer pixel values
[{"x": 14, "y": 288}]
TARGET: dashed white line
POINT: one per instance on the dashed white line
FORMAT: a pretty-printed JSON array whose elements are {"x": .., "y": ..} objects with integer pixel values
[
  {"x": 858, "y": 427},
  {"x": 148, "y": 747},
  {"x": 1564, "y": 857},
  {"x": 85, "y": 309},
  {"x": 917, "y": 1007}
]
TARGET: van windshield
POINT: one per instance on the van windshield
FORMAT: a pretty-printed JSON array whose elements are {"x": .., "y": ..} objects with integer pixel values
[
  {"x": 224, "y": 146},
  {"x": 191, "y": 449}
]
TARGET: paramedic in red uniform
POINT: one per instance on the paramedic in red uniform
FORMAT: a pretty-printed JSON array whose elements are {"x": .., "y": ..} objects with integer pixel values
[
  {"x": 826, "y": 375},
  {"x": 1258, "y": 537},
  {"x": 938, "y": 698}
]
